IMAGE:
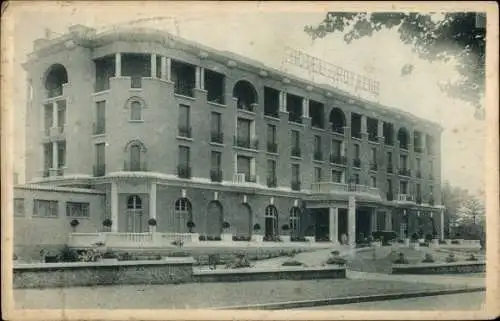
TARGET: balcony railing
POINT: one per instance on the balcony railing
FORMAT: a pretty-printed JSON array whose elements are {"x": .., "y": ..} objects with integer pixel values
[
  {"x": 338, "y": 129},
  {"x": 390, "y": 169},
  {"x": 246, "y": 142},
  {"x": 339, "y": 160},
  {"x": 405, "y": 198},
  {"x": 333, "y": 187},
  {"x": 272, "y": 147},
  {"x": 251, "y": 179},
  {"x": 99, "y": 128},
  {"x": 248, "y": 107},
  {"x": 318, "y": 155},
  {"x": 217, "y": 137},
  {"x": 136, "y": 82},
  {"x": 215, "y": 98},
  {"x": 55, "y": 92},
  {"x": 372, "y": 137},
  {"x": 373, "y": 167},
  {"x": 216, "y": 175},
  {"x": 356, "y": 162},
  {"x": 296, "y": 152},
  {"x": 135, "y": 167},
  {"x": 356, "y": 135},
  {"x": 403, "y": 146},
  {"x": 295, "y": 185},
  {"x": 185, "y": 131},
  {"x": 239, "y": 178},
  {"x": 184, "y": 171},
  {"x": 184, "y": 88},
  {"x": 272, "y": 181},
  {"x": 99, "y": 170},
  {"x": 404, "y": 172}
]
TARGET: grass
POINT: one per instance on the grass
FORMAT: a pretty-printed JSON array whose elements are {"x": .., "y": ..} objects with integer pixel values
[{"x": 204, "y": 295}]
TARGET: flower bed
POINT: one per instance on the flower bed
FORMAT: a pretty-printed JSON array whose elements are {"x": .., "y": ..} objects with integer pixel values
[{"x": 440, "y": 268}]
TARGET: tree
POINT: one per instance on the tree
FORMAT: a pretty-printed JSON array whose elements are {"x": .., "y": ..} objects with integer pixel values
[
  {"x": 457, "y": 35},
  {"x": 472, "y": 211}
]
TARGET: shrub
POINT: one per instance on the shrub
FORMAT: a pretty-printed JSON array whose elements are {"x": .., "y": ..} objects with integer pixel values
[
  {"x": 256, "y": 227},
  {"x": 401, "y": 259},
  {"x": 429, "y": 237},
  {"x": 109, "y": 255},
  {"x": 423, "y": 244},
  {"x": 428, "y": 258},
  {"x": 107, "y": 222},
  {"x": 74, "y": 223},
  {"x": 384, "y": 235},
  {"x": 240, "y": 261},
  {"x": 226, "y": 225},
  {"x": 298, "y": 239},
  {"x": 178, "y": 254},
  {"x": 454, "y": 242},
  {"x": 472, "y": 257},
  {"x": 335, "y": 253},
  {"x": 336, "y": 260},
  {"x": 152, "y": 222},
  {"x": 190, "y": 225},
  {"x": 178, "y": 243},
  {"x": 442, "y": 242},
  {"x": 292, "y": 263},
  {"x": 125, "y": 257},
  {"x": 272, "y": 238},
  {"x": 401, "y": 241},
  {"x": 67, "y": 254},
  {"x": 202, "y": 238},
  {"x": 451, "y": 258},
  {"x": 415, "y": 237},
  {"x": 241, "y": 238},
  {"x": 285, "y": 227}
]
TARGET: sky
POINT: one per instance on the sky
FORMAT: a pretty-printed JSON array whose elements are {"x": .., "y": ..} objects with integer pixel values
[{"x": 261, "y": 32}]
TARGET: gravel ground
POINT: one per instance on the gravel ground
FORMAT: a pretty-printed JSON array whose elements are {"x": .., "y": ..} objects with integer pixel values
[{"x": 205, "y": 295}]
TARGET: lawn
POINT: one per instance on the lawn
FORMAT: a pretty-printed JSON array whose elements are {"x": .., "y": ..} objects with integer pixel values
[{"x": 205, "y": 295}]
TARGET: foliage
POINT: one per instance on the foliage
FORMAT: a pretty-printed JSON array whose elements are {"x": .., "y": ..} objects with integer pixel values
[
  {"x": 109, "y": 255},
  {"x": 242, "y": 238},
  {"x": 256, "y": 227},
  {"x": 335, "y": 253},
  {"x": 401, "y": 259},
  {"x": 336, "y": 260},
  {"x": 74, "y": 223},
  {"x": 471, "y": 257},
  {"x": 292, "y": 263},
  {"x": 428, "y": 258},
  {"x": 178, "y": 254},
  {"x": 272, "y": 238},
  {"x": 454, "y": 36},
  {"x": 226, "y": 225},
  {"x": 240, "y": 261},
  {"x": 209, "y": 238},
  {"x": 190, "y": 225},
  {"x": 429, "y": 237},
  {"x": 152, "y": 222},
  {"x": 450, "y": 258},
  {"x": 298, "y": 239},
  {"x": 107, "y": 222},
  {"x": 384, "y": 235},
  {"x": 415, "y": 237},
  {"x": 68, "y": 254}
]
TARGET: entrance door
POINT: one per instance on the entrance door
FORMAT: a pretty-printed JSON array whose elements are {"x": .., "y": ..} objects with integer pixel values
[
  {"x": 134, "y": 214},
  {"x": 363, "y": 218},
  {"x": 322, "y": 225},
  {"x": 342, "y": 219},
  {"x": 271, "y": 221},
  {"x": 214, "y": 220}
]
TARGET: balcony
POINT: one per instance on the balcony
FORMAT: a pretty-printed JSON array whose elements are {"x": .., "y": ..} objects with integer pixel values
[
  {"x": 216, "y": 175},
  {"x": 403, "y": 146},
  {"x": 98, "y": 128},
  {"x": 184, "y": 88},
  {"x": 185, "y": 131},
  {"x": 405, "y": 172},
  {"x": 406, "y": 198},
  {"x": 372, "y": 137},
  {"x": 356, "y": 162},
  {"x": 272, "y": 147},
  {"x": 296, "y": 152},
  {"x": 246, "y": 143},
  {"x": 318, "y": 156},
  {"x": 135, "y": 167},
  {"x": 100, "y": 170},
  {"x": 272, "y": 181},
  {"x": 217, "y": 137},
  {"x": 339, "y": 160},
  {"x": 333, "y": 187},
  {"x": 373, "y": 167},
  {"x": 184, "y": 171},
  {"x": 338, "y": 129},
  {"x": 295, "y": 185},
  {"x": 242, "y": 178},
  {"x": 390, "y": 168},
  {"x": 356, "y": 135}
]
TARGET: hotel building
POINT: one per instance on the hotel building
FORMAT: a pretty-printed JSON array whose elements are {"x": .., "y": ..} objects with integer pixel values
[{"x": 135, "y": 124}]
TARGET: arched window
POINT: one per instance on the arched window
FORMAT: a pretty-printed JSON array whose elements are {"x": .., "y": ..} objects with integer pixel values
[
  {"x": 246, "y": 94},
  {"x": 337, "y": 119},
  {"x": 294, "y": 219},
  {"x": 135, "y": 105},
  {"x": 135, "y": 152},
  {"x": 183, "y": 205},
  {"x": 271, "y": 221},
  {"x": 56, "y": 77}
]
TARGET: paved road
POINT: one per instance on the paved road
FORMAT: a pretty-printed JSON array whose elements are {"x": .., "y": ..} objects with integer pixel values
[{"x": 463, "y": 301}]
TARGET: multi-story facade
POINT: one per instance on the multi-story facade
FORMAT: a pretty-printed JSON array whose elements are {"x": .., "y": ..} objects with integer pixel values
[{"x": 175, "y": 131}]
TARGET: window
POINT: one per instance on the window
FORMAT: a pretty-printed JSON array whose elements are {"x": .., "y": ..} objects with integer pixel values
[
  {"x": 389, "y": 158},
  {"x": 317, "y": 174},
  {"x": 44, "y": 208},
  {"x": 419, "y": 164},
  {"x": 356, "y": 179},
  {"x": 183, "y": 215},
  {"x": 183, "y": 205},
  {"x": 356, "y": 151},
  {"x": 19, "y": 207},
  {"x": 317, "y": 148},
  {"x": 61, "y": 114},
  {"x": 243, "y": 132},
  {"x": 158, "y": 66},
  {"x": 337, "y": 176},
  {"x": 48, "y": 117},
  {"x": 77, "y": 209},
  {"x": 295, "y": 139},
  {"x": 373, "y": 181},
  {"x": 389, "y": 186},
  {"x": 100, "y": 126},
  {"x": 47, "y": 156},
  {"x": 403, "y": 187},
  {"x": 418, "y": 190},
  {"x": 216, "y": 128},
  {"x": 373, "y": 155},
  {"x": 135, "y": 111},
  {"x": 243, "y": 164},
  {"x": 183, "y": 155},
  {"x": 216, "y": 161},
  {"x": 294, "y": 219},
  {"x": 403, "y": 162},
  {"x": 271, "y": 168},
  {"x": 336, "y": 148},
  {"x": 134, "y": 202},
  {"x": 184, "y": 121},
  {"x": 61, "y": 154}
]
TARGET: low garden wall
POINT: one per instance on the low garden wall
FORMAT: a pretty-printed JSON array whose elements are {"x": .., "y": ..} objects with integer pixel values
[
  {"x": 440, "y": 268},
  {"x": 171, "y": 270},
  {"x": 280, "y": 273}
]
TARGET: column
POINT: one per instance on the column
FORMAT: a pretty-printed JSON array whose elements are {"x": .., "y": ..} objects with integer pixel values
[
  {"x": 118, "y": 64},
  {"x": 152, "y": 205},
  {"x": 334, "y": 225},
  {"x": 153, "y": 66},
  {"x": 380, "y": 129},
  {"x": 114, "y": 207},
  {"x": 169, "y": 69},
  {"x": 388, "y": 221},
  {"x": 374, "y": 222},
  {"x": 163, "y": 67},
  {"x": 202, "y": 78},
  {"x": 54, "y": 155},
  {"x": 282, "y": 98},
  {"x": 305, "y": 107},
  {"x": 197, "y": 77},
  {"x": 363, "y": 125},
  {"x": 441, "y": 226},
  {"x": 351, "y": 222}
]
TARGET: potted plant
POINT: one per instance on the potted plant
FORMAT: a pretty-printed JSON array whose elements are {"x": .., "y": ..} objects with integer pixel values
[
  {"x": 107, "y": 223},
  {"x": 152, "y": 222},
  {"x": 285, "y": 237},
  {"x": 74, "y": 223},
  {"x": 226, "y": 236},
  {"x": 256, "y": 237}
]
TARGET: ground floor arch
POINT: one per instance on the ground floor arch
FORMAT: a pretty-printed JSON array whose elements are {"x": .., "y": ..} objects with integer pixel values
[
  {"x": 271, "y": 221},
  {"x": 213, "y": 219}
]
